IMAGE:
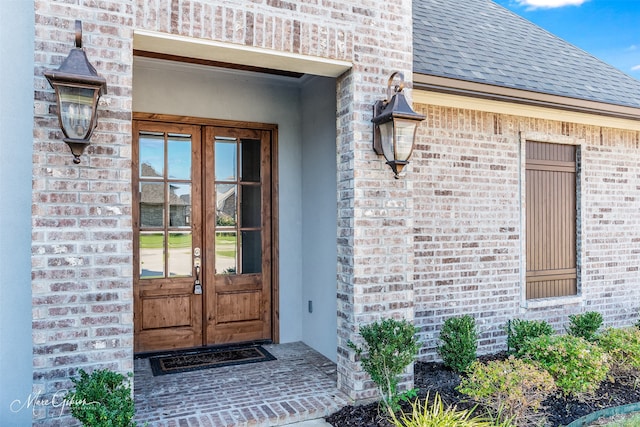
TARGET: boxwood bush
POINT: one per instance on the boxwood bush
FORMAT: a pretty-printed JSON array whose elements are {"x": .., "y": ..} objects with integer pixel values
[
  {"x": 585, "y": 325},
  {"x": 458, "y": 342},
  {"x": 519, "y": 331},
  {"x": 102, "y": 399},
  {"x": 390, "y": 346}
]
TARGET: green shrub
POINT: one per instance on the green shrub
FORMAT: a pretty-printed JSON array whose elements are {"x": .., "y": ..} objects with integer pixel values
[
  {"x": 458, "y": 342},
  {"x": 519, "y": 331},
  {"x": 102, "y": 399},
  {"x": 622, "y": 345},
  {"x": 585, "y": 325},
  {"x": 577, "y": 365},
  {"x": 511, "y": 387},
  {"x": 638, "y": 324},
  {"x": 391, "y": 345},
  {"x": 437, "y": 415}
]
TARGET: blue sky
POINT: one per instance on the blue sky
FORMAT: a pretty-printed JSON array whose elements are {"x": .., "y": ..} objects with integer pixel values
[{"x": 608, "y": 29}]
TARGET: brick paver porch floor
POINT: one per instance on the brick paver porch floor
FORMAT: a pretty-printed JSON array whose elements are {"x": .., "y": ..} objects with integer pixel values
[{"x": 300, "y": 385}]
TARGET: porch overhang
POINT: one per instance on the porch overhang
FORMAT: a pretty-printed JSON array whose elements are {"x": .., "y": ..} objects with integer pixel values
[{"x": 230, "y": 53}]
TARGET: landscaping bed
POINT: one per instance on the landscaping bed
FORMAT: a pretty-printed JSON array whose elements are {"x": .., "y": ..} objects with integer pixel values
[
  {"x": 435, "y": 377},
  {"x": 545, "y": 379}
]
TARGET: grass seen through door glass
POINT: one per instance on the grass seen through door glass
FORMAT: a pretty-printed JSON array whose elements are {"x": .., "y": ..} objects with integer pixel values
[
  {"x": 226, "y": 244},
  {"x": 155, "y": 241}
]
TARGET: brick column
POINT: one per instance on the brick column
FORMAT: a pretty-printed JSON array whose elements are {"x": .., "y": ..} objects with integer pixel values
[
  {"x": 81, "y": 217},
  {"x": 375, "y": 210}
]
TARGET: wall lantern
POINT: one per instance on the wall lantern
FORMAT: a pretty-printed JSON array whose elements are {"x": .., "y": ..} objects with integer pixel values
[
  {"x": 394, "y": 126},
  {"x": 78, "y": 89}
]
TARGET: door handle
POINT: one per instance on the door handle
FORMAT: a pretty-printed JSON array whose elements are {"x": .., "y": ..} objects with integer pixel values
[{"x": 197, "y": 286}]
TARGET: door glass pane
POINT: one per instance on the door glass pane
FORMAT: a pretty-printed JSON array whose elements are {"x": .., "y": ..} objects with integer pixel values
[
  {"x": 179, "y": 156},
  {"x": 226, "y": 159},
  {"x": 226, "y": 252},
  {"x": 151, "y": 255},
  {"x": 251, "y": 252},
  {"x": 250, "y": 206},
  {"x": 226, "y": 205},
  {"x": 179, "y": 205},
  {"x": 151, "y": 204},
  {"x": 250, "y": 160},
  {"x": 151, "y": 155},
  {"x": 180, "y": 249}
]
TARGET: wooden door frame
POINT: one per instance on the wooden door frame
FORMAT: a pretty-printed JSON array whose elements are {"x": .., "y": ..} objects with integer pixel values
[{"x": 275, "y": 228}]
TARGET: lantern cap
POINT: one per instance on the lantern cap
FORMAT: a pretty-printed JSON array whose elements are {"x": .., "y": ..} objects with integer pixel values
[
  {"x": 398, "y": 108},
  {"x": 76, "y": 68}
]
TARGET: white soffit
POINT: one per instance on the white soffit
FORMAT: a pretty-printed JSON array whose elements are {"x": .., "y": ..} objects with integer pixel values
[
  {"x": 511, "y": 108},
  {"x": 189, "y": 47}
]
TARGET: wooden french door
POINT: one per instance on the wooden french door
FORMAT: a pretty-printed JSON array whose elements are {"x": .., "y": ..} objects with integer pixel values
[
  {"x": 203, "y": 247},
  {"x": 238, "y": 230}
]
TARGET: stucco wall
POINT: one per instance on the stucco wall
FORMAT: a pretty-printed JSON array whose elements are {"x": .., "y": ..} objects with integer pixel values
[
  {"x": 319, "y": 215},
  {"x": 467, "y": 172},
  {"x": 16, "y": 128}
]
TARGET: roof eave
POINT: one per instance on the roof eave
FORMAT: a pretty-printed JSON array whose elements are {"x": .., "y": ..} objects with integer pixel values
[{"x": 505, "y": 94}]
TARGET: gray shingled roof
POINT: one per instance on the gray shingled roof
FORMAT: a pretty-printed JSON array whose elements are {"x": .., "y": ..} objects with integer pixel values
[{"x": 480, "y": 41}]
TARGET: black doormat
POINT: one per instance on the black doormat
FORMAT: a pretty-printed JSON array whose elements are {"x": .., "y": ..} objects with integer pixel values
[{"x": 193, "y": 360}]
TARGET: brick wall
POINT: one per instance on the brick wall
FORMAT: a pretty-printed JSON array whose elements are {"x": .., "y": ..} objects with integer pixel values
[
  {"x": 466, "y": 174},
  {"x": 82, "y": 250},
  {"x": 611, "y": 226}
]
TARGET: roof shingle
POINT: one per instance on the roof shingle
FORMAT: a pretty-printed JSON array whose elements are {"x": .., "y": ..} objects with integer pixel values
[{"x": 482, "y": 42}]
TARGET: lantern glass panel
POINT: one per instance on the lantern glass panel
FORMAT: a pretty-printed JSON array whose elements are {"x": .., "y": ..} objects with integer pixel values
[
  {"x": 76, "y": 110},
  {"x": 386, "y": 139},
  {"x": 405, "y": 131}
]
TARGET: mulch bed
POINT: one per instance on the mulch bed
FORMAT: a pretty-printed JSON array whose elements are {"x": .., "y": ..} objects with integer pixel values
[{"x": 435, "y": 377}]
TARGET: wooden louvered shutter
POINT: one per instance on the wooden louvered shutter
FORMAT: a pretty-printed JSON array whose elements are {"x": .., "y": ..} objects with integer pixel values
[{"x": 551, "y": 220}]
